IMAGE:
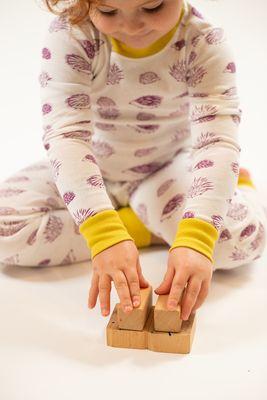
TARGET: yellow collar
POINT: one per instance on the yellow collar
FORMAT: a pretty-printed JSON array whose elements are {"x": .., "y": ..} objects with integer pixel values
[{"x": 155, "y": 47}]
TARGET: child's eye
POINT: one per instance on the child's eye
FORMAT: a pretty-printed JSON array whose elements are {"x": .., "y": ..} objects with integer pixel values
[{"x": 147, "y": 10}]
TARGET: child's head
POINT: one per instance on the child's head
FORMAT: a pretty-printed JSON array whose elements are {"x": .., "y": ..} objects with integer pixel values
[{"x": 137, "y": 23}]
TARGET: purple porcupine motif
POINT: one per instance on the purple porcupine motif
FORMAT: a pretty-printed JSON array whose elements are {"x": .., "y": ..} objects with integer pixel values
[
  {"x": 196, "y": 13},
  {"x": 200, "y": 95},
  {"x": 143, "y": 116},
  {"x": 179, "y": 44},
  {"x": 192, "y": 57},
  {"x": 12, "y": 260},
  {"x": 78, "y": 63},
  {"x": 238, "y": 254},
  {"x": 46, "y": 108},
  {"x": 68, "y": 197},
  {"x": 82, "y": 214},
  {"x": 108, "y": 113},
  {"x": 206, "y": 139},
  {"x": 230, "y": 92},
  {"x": 115, "y": 75},
  {"x": 55, "y": 164},
  {"x": 178, "y": 71},
  {"x": 149, "y": 77},
  {"x": 172, "y": 205},
  {"x": 235, "y": 168},
  {"x": 8, "y": 211},
  {"x": 236, "y": 119},
  {"x": 200, "y": 186},
  {"x": 188, "y": 214},
  {"x": 144, "y": 152},
  {"x": 247, "y": 231},
  {"x": 105, "y": 127},
  {"x": 96, "y": 181},
  {"x": 16, "y": 179},
  {"x": 145, "y": 128},
  {"x": 105, "y": 102},
  {"x": 91, "y": 48},
  {"x": 146, "y": 168},
  {"x": 215, "y": 36},
  {"x": 204, "y": 164},
  {"x": 44, "y": 262},
  {"x": 141, "y": 212},
  {"x": 35, "y": 167},
  {"x": 258, "y": 256},
  {"x": 195, "y": 75},
  {"x": 203, "y": 113},
  {"x": 32, "y": 238},
  {"x": 79, "y": 134},
  {"x": 10, "y": 228},
  {"x": 58, "y": 24},
  {"x": 259, "y": 238},
  {"x": 237, "y": 211},
  {"x": 225, "y": 235},
  {"x": 44, "y": 78},
  {"x": 181, "y": 134},
  {"x": 231, "y": 67},
  {"x": 70, "y": 258},
  {"x": 184, "y": 94},
  {"x": 89, "y": 157},
  {"x": 9, "y": 192},
  {"x": 46, "y": 53},
  {"x": 53, "y": 228},
  {"x": 217, "y": 221},
  {"x": 102, "y": 149},
  {"x": 76, "y": 228},
  {"x": 78, "y": 101},
  {"x": 147, "y": 101},
  {"x": 164, "y": 187}
]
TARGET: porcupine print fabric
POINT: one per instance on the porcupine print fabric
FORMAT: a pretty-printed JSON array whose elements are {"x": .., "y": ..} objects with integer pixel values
[{"x": 159, "y": 133}]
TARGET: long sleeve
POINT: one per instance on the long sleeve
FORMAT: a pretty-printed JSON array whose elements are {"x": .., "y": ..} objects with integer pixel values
[
  {"x": 214, "y": 119},
  {"x": 65, "y": 79}
]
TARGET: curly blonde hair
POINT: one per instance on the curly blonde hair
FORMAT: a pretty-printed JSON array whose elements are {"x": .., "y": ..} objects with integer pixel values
[{"x": 76, "y": 10}]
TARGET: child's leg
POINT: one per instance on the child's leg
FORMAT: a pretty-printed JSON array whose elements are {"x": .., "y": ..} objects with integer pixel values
[{"x": 243, "y": 236}]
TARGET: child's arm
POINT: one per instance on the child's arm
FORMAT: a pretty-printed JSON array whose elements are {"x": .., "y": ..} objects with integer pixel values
[{"x": 69, "y": 57}]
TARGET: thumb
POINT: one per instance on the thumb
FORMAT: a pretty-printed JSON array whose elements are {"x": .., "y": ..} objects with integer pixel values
[
  {"x": 142, "y": 281},
  {"x": 165, "y": 286}
]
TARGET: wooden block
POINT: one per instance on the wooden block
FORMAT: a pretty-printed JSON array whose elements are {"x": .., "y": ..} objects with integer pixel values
[
  {"x": 136, "y": 319},
  {"x": 166, "y": 320},
  {"x": 172, "y": 342},
  {"x": 131, "y": 339}
]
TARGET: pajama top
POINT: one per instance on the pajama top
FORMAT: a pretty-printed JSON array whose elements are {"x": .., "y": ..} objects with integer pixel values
[{"x": 118, "y": 113}]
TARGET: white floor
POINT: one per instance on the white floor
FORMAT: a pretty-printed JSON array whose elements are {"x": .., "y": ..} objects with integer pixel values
[{"x": 51, "y": 345}]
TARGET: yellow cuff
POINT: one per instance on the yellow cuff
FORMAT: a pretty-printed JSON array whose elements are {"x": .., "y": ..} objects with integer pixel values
[
  {"x": 197, "y": 234},
  {"x": 103, "y": 230},
  {"x": 135, "y": 227}
]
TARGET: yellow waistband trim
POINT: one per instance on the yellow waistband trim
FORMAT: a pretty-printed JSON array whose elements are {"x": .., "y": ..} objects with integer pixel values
[{"x": 154, "y": 48}]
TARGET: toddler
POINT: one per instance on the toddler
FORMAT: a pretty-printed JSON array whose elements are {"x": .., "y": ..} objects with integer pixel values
[{"x": 140, "y": 116}]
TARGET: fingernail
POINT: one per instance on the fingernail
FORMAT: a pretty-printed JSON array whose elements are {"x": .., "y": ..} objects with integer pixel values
[
  {"x": 128, "y": 308},
  {"x": 104, "y": 311},
  {"x": 136, "y": 301}
]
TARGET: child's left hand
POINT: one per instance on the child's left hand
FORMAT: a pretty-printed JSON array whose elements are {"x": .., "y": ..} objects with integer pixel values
[{"x": 186, "y": 264}]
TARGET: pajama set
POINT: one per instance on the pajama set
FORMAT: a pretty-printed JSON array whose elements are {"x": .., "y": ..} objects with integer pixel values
[{"x": 154, "y": 129}]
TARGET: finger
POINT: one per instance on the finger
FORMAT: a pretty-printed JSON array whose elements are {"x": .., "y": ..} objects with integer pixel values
[
  {"x": 104, "y": 293},
  {"x": 165, "y": 286},
  {"x": 122, "y": 288},
  {"x": 93, "y": 293},
  {"x": 177, "y": 288},
  {"x": 133, "y": 283},
  {"x": 142, "y": 280},
  {"x": 202, "y": 295},
  {"x": 192, "y": 291}
]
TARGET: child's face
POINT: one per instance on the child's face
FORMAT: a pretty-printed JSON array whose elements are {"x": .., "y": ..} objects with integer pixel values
[{"x": 132, "y": 21}]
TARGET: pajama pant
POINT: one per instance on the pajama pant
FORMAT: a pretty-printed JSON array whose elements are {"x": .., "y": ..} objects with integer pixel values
[{"x": 36, "y": 228}]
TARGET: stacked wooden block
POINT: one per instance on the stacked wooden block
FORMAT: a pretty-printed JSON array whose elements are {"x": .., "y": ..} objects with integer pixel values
[{"x": 151, "y": 327}]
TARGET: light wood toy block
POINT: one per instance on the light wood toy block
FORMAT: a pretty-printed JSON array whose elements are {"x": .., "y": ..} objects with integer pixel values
[
  {"x": 166, "y": 320},
  {"x": 172, "y": 342},
  {"x": 136, "y": 319},
  {"x": 148, "y": 338},
  {"x": 123, "y": 338}
]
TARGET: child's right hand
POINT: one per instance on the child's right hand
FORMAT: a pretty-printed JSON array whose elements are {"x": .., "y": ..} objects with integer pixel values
[{"x": 121, "y": 264}]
